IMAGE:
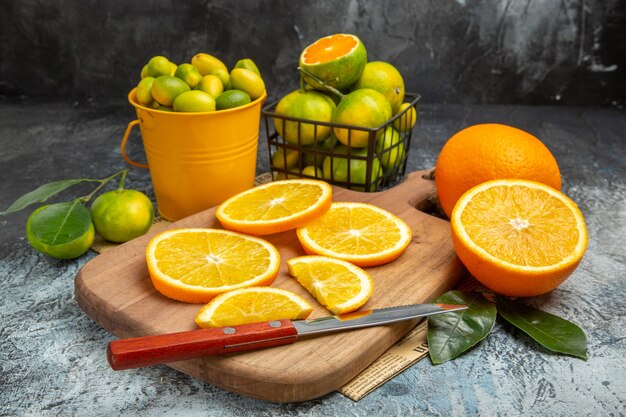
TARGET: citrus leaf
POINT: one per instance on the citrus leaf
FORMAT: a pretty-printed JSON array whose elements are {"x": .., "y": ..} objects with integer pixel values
[
  {"x": 550, "y": 331},
  {"x": 60, "y": 223},
  {"x": 42, "y": 193},
  {"x": 451, "y": 334}
]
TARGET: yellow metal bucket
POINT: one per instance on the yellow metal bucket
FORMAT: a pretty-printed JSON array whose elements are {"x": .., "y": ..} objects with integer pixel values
[{"x": 197, "y": 160}]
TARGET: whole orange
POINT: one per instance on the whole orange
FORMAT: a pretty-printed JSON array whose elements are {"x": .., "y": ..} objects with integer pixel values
[{"x": 486, "y": 152}]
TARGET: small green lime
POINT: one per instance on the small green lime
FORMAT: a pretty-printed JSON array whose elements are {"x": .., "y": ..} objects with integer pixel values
[
  {"x": 311, "y": 157},
  {"x": 211, "y": 84},
  {"x": 144, "y": 91},
  {"x": 144, "y": 71},
  {"x": 285, "y": 159},
  {"x": 194, "y": 101},
  {"x": 206, "y": 63},
  {"x": 158, "y": 66},
  {"x": 189, "y": 74},
  {"x": 248, "y": 81},
  {"x": 61, "y": 230},
  {"x": 249, "y": 64},
  {"x": 232, "y": 98},
  {"x": 223, "y": 75},
  {"x": 336, "y": 168},
  {"x": 122, "y": 215},
  {"x": 309, "y": 105},
  {"x": 390, "y": 148},
  {"x": 405, "y": 122},
  {"x": 313, "y": 171},
  {"x": 166, "y": 88},
  {"x": 173, "y": 68}
]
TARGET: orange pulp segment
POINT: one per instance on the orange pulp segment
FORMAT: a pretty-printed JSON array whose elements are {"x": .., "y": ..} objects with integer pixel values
[
  {"x": 195, "y": 265},
  {"x": 329, "y": 48},
  {"x": 253, "y": 305},
  {"x": 518, "y": 237},
  {"x": 361, "y": 233},
  {"x": 275, "y": 207},
  {"x": 340, "y": 286}
]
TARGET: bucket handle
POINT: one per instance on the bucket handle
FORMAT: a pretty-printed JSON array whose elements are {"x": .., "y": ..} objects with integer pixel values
[{"x": 129, "y": 128}]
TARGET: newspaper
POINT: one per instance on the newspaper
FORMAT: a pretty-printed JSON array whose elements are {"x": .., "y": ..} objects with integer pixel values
[{"x": 406, "y": 352}]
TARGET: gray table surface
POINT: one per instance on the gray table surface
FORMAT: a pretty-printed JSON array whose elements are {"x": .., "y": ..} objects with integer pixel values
[{"x": 53, "y": 355}]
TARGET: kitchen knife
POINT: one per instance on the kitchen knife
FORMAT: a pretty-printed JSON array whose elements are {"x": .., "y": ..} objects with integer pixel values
[{"x": 151, "y": 350}]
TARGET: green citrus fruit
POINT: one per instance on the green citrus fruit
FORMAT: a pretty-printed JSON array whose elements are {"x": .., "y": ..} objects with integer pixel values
[
  {"x": 313, "y": 171},
  {"x": 364, "y": 108},
  {"x": 194, "y": 101},
  {"x": 212, "y": 85},
  {"x": 232, "y": 98},
  {"x": 144, "y": 71},
  {"x": 384, "y": 78},
  {"x": 144, "y": 91},
  {"x": 248, "y": 81},
  {"x": 310, "y": 105},
  {"x": 405, "y": 122},
  {"x": 390, "y": 148},
  {"x": 335, "y": 168},
  {"x": 61, "y": 230},
  {"x": 285, "y": 159},
  {"x": 122, "y": 215},
  {"x": 189, "y": 74},
  {"x": 207, "y": 63},
  {"x": 158, "y": 66},
  {"x": 249, "y": 64},
  {"x": 166, "y": 88},
  {"x": 336, "y": 60},
  {"x": 224, "y": 77},
  {"x": 173, "y": 68},
  {"x": 313, "y": 155}
]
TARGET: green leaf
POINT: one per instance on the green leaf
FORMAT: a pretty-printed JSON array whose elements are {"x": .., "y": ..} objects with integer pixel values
[
  {"x": 550, "y": 331},
  {"x": 451, "y": 334},
  {"x": 43, "y": 193},
  {"x": 61, "y": 230}
]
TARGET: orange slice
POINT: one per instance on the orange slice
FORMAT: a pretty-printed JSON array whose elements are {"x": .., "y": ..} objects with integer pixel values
[
  {"x": 518, "y": 237},
  {"x": 195, "y": 265},
  {"x": 361, "y": 233},
  {"x": 253, "y": 305},
  {"x": 275, "y": 207},
  {"x": 338, "y": 285}
]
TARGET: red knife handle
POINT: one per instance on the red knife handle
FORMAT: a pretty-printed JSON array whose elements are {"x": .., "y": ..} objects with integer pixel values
[{"x": 151, "y": 350}]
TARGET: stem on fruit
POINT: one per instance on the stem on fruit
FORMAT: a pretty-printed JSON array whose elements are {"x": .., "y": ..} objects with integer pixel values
[
  {"x": 103, "y": 182},
  {"x": 324, "y": 85},
  {"x": 124, "y": 173}
]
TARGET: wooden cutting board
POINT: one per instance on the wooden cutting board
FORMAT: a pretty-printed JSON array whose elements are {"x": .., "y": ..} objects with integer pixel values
[{"x": 115, "y": 290}]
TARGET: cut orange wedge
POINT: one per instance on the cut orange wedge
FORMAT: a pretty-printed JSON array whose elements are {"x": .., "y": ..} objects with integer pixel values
[
  {"x": 338, "y": 285},
  {"x": 275, "y": 207},
  {"x": 253, "y": 305},
  {"x": 361, "y": 233},
  {"x": 195, "y": 265},
  {"x": 518, "y": 237}
]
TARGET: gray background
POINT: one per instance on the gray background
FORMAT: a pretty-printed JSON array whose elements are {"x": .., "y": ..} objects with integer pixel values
[
  {"x": 65, "y": 70},
  {"x": 463, "y": 51}
]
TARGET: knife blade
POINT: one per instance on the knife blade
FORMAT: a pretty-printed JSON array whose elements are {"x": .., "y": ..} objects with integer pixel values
[{"x": 152, "y": 350}]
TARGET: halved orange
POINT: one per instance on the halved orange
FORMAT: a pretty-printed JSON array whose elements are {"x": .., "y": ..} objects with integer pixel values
[
  {"x": 361, "y": 233},
  {"x": 195, "y": 265},
  {"x": 275, "y": 207},
  {"x": 336, "y": 60},
  {"x": 518, "y": 237},
  {"x": 253, "y": 305},
  {"x": 338, "y": 285}
]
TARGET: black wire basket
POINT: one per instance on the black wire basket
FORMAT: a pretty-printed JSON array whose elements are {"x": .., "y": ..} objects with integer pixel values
[{"x": 378, "y": 166}]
